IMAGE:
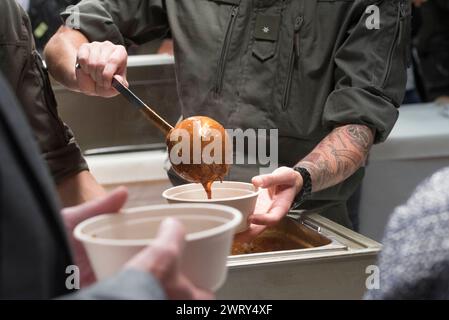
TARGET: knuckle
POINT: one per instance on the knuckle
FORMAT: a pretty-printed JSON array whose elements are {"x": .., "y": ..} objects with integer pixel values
[
  {"x": 107, "y": 74},
  {"x": 115, "y": 61},
  {"x": 122, "y": 49},
  {"x": 100, "y": 65}
]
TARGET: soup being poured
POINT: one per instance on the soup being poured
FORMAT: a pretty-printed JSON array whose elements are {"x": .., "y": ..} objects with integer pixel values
[{"x": 197, "y": 149}]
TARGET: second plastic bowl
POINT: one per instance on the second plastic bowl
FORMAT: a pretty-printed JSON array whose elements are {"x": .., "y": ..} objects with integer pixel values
[{"x": 239, "y": 195}]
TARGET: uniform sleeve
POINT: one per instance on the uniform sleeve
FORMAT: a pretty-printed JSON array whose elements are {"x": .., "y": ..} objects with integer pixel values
[
  {"x": 56, "y": 140},
  {"x": 26, "y": 73},
  {"x": 124, "y": 22},
  {"x": 66, "y": 160},
  {"x": 371, "y": 67}
]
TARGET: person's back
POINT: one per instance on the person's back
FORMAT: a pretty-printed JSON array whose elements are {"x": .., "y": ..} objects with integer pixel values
[
  {"x": 432, "y": 43},
  {"x": 414, "y": 263},
  {"x": 45, "y": 19},
  {"x": 33, "y": 248}
]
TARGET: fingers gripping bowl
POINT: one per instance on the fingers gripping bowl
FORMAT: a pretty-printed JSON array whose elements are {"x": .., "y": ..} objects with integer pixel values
[
  {"x": 111, "y": 240},
  {"x": 239, "y": 195}
]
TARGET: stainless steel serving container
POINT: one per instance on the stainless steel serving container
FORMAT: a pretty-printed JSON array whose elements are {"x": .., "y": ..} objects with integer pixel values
[{"x": 336, "y": 269}]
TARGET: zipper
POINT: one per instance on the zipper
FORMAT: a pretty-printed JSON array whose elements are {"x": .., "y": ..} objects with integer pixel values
[
  {"x": 47, "y": 91},
  {"x": 294, "y": 55},
  {"x": 46, "y": 85},
  {"x": 225, "y": 50},
  {"x": 396, "y": 41}
]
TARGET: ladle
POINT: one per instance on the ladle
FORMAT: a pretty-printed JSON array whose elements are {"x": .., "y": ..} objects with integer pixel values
[{"x": 205, "y": 130}]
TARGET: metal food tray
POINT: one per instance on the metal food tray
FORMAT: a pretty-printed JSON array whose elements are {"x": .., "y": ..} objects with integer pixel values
[{"x": 308, "y": 236}]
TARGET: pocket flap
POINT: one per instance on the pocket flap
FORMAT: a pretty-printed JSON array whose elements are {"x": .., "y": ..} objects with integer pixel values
[
  {"x": 267, "y": 27},
  {"x": 264, "y": 50}
]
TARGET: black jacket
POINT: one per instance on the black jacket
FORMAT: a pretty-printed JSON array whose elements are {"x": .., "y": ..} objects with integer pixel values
[
  {"x": 432, "y": 44},
  {"x": 45, "y": 20},
  {"x": 34, "y": 251}
]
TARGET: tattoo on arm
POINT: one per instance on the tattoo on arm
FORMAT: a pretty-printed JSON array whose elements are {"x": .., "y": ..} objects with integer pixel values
[{"x": 338, "y": 156}]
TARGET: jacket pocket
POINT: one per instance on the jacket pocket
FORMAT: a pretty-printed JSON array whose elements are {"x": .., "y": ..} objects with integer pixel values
[
  {"x": 225, "y": 49},
  {"x": 266, "y": 33},
  {"x": 293, "y": 59}
]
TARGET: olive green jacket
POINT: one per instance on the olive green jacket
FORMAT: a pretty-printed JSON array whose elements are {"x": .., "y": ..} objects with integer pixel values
[
  {"x": 300, "y": 66},
  {"x": 25, "y": 71}
]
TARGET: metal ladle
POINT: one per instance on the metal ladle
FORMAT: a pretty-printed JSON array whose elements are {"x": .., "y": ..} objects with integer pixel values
[{"x": 204, "y": 129}]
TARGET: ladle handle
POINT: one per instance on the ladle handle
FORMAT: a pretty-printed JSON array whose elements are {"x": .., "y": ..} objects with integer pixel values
[
  {"x": 144, "y": 108},
  {"x": 134, "y": 100}
]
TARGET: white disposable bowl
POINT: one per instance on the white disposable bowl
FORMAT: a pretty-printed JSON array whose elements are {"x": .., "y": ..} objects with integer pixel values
[
  {"x": 113, "y": 239},
  {"x": 239, "y": 195}
]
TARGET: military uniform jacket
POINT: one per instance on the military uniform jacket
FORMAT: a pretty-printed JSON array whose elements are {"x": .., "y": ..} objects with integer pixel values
[{"x": 300, "y": 66}]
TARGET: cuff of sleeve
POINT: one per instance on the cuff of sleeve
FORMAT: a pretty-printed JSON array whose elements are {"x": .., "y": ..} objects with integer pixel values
[
  {"x": 93, "y": 21},
  {"x": 65, "y": 162},
  {"x": 127, "y": 285},
  {"x": 361, "y": 106}
]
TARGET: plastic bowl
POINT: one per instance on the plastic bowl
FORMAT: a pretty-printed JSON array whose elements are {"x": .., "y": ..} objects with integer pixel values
[
  {"x": 113, "y": 239},
  {"x": 239, "y": 195}
]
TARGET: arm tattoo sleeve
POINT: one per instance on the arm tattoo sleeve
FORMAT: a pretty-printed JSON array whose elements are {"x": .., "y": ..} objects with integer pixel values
[{"x": 338, "y": 156}]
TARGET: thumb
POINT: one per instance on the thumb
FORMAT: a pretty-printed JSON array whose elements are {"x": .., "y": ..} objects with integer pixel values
[
  {"x": 111, "y": 203},
  {"x": 171, "y": 233},
  {"x": 162, "y": 256},
  {"x": 274, "y": 179},
  {"x": 169, "y": 241}
]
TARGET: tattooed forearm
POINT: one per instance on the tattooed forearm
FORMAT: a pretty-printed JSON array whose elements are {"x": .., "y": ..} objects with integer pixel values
[
  {"x": 361, "y": 136},
  {"x": 338, "y": 156}
]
